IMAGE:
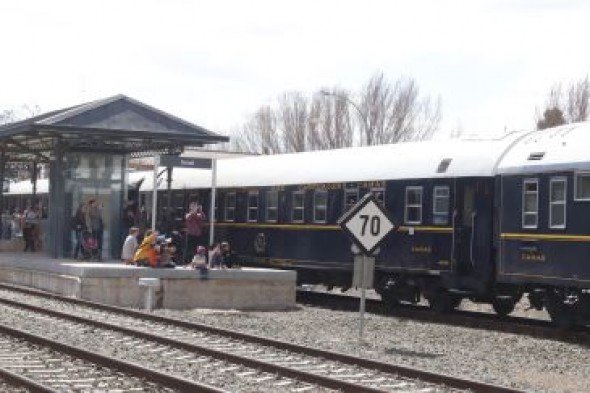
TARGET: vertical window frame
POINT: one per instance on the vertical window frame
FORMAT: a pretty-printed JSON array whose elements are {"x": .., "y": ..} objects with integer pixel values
[
  {"x": 524, "y": 213},
  {"x": 323, "y": 207},
  {"x": 552, "y": 203},
  {"x": 409, "y": 206},
  {"x": 228, "y": 207},
  {"x": 298, "y": 208},
  {"x": 251, "y": 208},
  {"x": 438, "y": 214},
  {"x": 270, "y": 207},
  {"x": 577, "y": 175},
  {"x": 350, "y": 191}
]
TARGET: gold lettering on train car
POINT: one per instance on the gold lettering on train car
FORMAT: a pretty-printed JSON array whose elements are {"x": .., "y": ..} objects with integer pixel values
[
  {"x": 372, "y": 184},
  {"x": 321, "y": 186},
  {"x": 533, "y": 256},
  {"x": 444, "y": 262},
  {"x": 421, "y": 249}
]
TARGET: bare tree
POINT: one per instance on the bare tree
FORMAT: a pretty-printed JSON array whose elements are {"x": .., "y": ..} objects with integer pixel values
[
  {"x": 293, "y": 121},
  {"x": 330, "y": 124},
  {"x": 577, "y": 100},
  {"x": 563, "y": 108},
  {"x": 386, "y": 113},
  {"x": 30, "y": 110},
  {"x": 7, "y": 116},
  {"x": 260, "y": 134},
  {"x": 391, "y": 113}
]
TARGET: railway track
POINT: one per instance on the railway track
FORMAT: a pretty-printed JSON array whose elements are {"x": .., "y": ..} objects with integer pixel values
[
  {"x": 38, "y": 364},
  {"x": 472, "y": 319},
  {"x": 278, "y": 365}
]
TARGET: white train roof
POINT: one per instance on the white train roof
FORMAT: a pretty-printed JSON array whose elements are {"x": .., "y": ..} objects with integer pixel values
[
  {"x": 560, "y": 148},
  {"x": 553, "y": 149},
  {"x": 412, "y": 160}
]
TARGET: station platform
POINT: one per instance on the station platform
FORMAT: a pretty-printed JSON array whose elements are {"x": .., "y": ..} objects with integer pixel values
[{"x": 118, "y": 284}]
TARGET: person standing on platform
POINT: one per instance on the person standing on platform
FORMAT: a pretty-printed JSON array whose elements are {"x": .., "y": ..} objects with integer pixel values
[
  {"x": 195, "y": 224},
  {"x": 78, "y": 225},
  {"x": 94, "y": 223},
  {"x": 30, "y": 219}
]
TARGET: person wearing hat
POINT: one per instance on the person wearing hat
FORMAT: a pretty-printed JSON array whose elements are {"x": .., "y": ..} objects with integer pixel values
[{"x": 199, "y": 260}]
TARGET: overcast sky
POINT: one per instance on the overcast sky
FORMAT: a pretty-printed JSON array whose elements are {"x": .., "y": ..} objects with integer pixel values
[{"x": 215, "y": 62}]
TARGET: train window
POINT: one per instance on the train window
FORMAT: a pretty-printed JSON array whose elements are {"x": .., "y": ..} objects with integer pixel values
[
  {"x": 557, "y": 202},
  {"x": 379, "y": 194},
  {"x": 297, "y": 206},
  {"x": 413, "y": 212},
  {"x": 440, "y": 205},
  {"x": 530, "y": 203},
  {"x": 320, "y": 206},
  {"x": 252, "y": 206},
  {"x": 230, "y": 206},
  {"x": 582, "y": 186},
  {"x": 351, "y": 197},
  {"x": 272, "y": 206}
]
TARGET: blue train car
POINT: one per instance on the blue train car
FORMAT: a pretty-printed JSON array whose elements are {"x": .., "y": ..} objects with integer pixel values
[
  {"x": 281, "y": 211},
  {"x": 544, "y": 221},
  {"x": 487, "y": 220}
]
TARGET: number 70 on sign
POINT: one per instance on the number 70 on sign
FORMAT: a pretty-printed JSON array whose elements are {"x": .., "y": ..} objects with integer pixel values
[{"x": 366, "y": 223}]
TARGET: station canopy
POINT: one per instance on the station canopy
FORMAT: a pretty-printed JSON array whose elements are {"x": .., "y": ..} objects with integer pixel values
[{"x": 117, "y": 125}]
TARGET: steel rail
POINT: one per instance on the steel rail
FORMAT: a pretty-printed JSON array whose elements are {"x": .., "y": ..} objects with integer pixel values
[
  {"x": 332, "y": 383},
  {"x": 22, "y": 381},
  {"x": 404, "y": 371},
  {"x": 176, "y": 383},
  {"x": 472, "y": 319}
]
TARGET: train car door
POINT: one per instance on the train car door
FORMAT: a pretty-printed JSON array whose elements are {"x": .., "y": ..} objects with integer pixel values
[{"x": 472, "y": 226}]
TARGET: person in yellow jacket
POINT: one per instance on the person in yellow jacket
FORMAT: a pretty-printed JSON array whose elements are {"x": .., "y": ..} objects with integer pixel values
[{"x": 147, "y": 254}]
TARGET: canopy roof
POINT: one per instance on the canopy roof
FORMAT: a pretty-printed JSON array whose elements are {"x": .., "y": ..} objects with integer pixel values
[{"x": 117, "y": 124}]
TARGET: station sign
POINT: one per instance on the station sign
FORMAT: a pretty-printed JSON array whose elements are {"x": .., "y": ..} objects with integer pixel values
[
  {"x": 366, "y": 223},
  {"x": 184, "y": 162}
]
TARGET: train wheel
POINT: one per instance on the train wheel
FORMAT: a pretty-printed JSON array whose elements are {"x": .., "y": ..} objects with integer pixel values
[
  {"x": 563, "y": 315},
  {"x": 387, "y": 292},
  {"x": 503, "y": 306},
  {"x": 442, "y": 301}
]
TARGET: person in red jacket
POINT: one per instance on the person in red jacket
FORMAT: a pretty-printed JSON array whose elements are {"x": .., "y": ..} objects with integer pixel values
[{"x": 195, "y": 226}]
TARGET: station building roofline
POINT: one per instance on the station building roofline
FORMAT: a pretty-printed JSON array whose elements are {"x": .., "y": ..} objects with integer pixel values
[{"x": 117, "y": 124}]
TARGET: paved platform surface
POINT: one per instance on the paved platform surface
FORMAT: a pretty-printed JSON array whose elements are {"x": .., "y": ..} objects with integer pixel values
[{"x": 115, "y": 283}]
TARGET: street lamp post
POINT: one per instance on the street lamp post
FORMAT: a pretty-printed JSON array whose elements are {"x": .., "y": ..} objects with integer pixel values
[{"x": 361, "y": 113}]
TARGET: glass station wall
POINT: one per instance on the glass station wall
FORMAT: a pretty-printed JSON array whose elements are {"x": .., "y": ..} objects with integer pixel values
[{"x": 101, "y": 177}]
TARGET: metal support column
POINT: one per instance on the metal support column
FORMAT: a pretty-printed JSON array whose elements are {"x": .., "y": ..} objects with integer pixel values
[
  {"x": 2, "y": 176},
  {"x": 34, "y": 180},
  {"x": 169, "y": 224},
  {"x": 58, "y": 233}
]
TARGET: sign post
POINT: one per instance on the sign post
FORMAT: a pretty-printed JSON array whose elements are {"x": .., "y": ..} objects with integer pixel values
[
  {"x": 155, "y": 192},
  {"x": 366, "y": 223}
]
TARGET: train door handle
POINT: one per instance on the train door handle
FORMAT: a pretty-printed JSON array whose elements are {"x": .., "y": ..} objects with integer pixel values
[
  {"x": 453, "y": 240},
  {"x": 472, "y": 240}
]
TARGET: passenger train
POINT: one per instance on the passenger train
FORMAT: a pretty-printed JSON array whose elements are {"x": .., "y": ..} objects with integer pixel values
[{"x": 486, "y": 220}]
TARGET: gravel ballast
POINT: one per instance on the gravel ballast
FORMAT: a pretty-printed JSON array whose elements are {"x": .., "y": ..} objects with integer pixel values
[{"x": 501, "y": 358}]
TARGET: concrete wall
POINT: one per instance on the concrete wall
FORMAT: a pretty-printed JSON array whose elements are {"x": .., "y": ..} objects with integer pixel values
[{"x": 255, "y": 292}]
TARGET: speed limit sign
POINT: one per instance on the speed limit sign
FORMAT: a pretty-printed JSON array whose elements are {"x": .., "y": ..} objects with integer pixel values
[{"x": 366, "y": 223}]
